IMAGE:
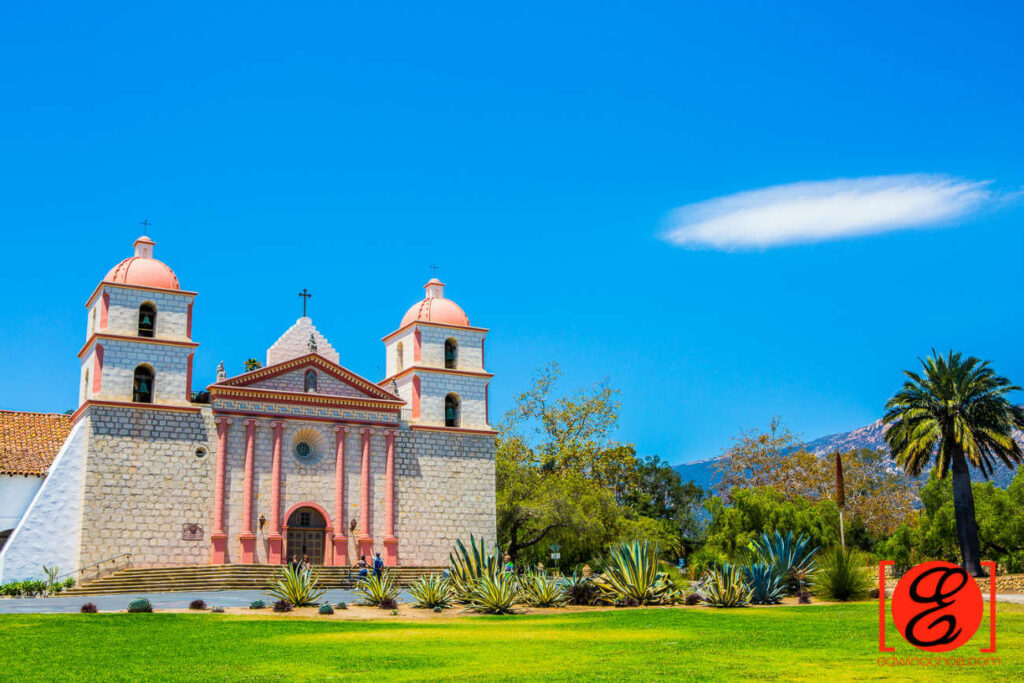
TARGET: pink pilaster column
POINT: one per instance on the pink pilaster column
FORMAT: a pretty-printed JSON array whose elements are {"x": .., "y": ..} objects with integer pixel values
[
  {"x": 340, "y": 540},
  {"x": 218, "y": 539},
  {"x": 390, "y": 542},
  {"x": 247, "y": 539},
  {"x": 274, "y": 539},
  {"x": 365, "y": 537}
]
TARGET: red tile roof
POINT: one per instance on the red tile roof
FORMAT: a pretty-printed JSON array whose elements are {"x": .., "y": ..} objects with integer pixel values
[{"x": 30, "y": 441}]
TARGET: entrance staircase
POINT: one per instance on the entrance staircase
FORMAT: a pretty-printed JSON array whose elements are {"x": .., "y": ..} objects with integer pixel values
[{"x": 223, "y": 577}]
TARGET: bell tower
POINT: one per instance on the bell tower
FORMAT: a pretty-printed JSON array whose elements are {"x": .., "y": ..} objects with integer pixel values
[
  {"x": 139, "y": 346},
  {"x": 435, "y": 360}
]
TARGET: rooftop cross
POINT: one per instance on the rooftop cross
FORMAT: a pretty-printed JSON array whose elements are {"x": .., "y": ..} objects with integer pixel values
[
  {"x": 434, "y": 267},
  {"x": 145, "y": 225},
  {"x": 305, "y": 296}
]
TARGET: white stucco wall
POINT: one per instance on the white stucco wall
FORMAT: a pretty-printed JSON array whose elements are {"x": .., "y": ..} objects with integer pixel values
[
  {"x": 49, "y": 531},
  {"x": 15, "y": 495}
]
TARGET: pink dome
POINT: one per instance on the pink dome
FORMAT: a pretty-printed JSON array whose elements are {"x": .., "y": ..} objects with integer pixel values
[
  {"x": 142, "y": 269},
  {"x": 435, "y": 308}
]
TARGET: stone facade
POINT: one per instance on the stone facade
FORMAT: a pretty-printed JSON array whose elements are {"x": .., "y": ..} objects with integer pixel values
[
  {"x": 170, "y": 482},
  {"x": 144, "y": 482}
]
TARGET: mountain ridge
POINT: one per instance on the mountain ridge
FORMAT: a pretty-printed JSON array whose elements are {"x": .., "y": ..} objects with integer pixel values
[{"x": 871, "y": 436}]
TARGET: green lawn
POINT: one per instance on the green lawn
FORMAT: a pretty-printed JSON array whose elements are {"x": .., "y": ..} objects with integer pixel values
[{"x": 811, "y": 642}]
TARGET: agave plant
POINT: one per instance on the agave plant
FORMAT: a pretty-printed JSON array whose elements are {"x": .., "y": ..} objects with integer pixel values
[
  {"x": 494, "y": 594},
  {"x": 468, "y": 566},
  {"x": 766, "y": 583},
  {"x": 791, "y": 556},
  {"x": 541, "y": 590},
  {"x": 431, "y": 591},
  {"x": 632, "y": 574},
  {"x": 725, "y": 586},
  {"x": 298, "y": 587},
  {"x": 378, "y": 591}
]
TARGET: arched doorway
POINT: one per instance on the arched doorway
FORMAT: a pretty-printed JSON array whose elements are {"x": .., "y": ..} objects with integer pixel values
[{"x": 306, "y": 535}]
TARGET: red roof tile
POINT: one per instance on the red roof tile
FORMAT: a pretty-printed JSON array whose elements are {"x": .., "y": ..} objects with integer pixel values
[{"x": 30, "y": 441}]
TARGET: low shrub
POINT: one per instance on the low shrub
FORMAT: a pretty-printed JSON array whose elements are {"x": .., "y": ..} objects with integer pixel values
[
  {"x": 438, "y": 610},
  {"x": 494, "y": 594},
  {"x": 298, "y": 587},
  {"x": 581, "y": 590},
  {"x": 89, "y": 608},
  {"x": 139, "y": 605},
  {"x": 340, "y": 605},
  {"x": 197, "y": 604},
  {"x": 217, "y": 609},
  {"x": 692, "y": 599},
  {"x": 627, "y": 602},
  {"x": 873, "y": 594},
  {"x": 326, "y": 608},
  {"x": 632, "y": 570},
  {"x": 282, "y": 606},
  {"x": 68, "y": 583},
  {"x": 804, "y": 597},
  {"x": 843, "y": 576},
  {"x": 11, "y": 589},
  {"x": 541, "y": 590},
  {"x": 33, "y": 587},
  {"x": 257, "y": 604},
  {"x": 725, "y": 587},
  {"x": 388, "y": 603},
  {"x": 375, "y": 590},
  {"x": 394, "y": 612},
  {"x": 431, "y": 591},
  {"x": 767, "y": 584}
]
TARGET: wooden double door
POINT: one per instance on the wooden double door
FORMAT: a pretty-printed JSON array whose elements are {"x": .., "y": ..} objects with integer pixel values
[{"x": 306, "y": 533}]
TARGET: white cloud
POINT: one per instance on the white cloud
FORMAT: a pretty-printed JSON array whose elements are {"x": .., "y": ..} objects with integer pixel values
[{"x": 824, "y": 210}]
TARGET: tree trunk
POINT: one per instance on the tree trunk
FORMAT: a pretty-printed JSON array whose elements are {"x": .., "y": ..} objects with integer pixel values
[{"x": 963, "y": 509}]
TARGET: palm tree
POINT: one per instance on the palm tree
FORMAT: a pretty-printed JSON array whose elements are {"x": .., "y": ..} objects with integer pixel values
[
  {"x": 252, "y": 364},
  {"x": 958, "y": 411}
]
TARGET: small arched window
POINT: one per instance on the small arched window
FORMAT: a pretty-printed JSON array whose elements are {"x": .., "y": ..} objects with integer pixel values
[
  {"x": 142, "y": 389},
  {"x": 147, "y": 319},
  {"x": 85, "y": 386},
  {"x": 309, "y": 386},
  {"x": 451, "y": 411},
  {"x": 400, "y": 357},
  {"x": 451, "y": 353}
]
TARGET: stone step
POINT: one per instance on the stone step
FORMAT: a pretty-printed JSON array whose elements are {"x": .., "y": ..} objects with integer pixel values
[{"x": 223, "y": 577}]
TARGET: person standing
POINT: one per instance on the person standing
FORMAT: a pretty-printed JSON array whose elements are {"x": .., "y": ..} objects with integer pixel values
[
  {"x": 378, "y": 566},
  {"x": 361, "y": 565}
]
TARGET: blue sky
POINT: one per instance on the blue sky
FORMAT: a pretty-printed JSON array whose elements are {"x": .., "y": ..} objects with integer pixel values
[{"x": 537, "y": 154}]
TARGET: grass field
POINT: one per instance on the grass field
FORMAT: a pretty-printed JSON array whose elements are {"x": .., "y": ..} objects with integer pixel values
[{"x": 784, "y": 643}]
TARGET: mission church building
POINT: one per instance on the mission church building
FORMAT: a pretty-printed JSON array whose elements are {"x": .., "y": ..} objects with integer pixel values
[{"x": 300, "y": 457}]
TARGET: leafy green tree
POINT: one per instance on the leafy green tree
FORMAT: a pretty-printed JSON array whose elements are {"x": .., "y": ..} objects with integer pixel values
[
  {"x": 933, "y": 535},
  {"x": 957, "y": 412},
  {"x": 252, "y": 364},
  {"x": 661, "y": 495},
  {"x": 755, "y": 510},
  {"x": 558, "y": 471}
]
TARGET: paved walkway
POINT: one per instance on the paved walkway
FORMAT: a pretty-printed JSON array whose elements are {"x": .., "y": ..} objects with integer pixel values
[{"x": 119, "y": 602}]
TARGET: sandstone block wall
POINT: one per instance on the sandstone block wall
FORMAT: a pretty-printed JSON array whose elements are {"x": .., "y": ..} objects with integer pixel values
[
  {"x": 435, "y": 386},
  {"x": 123, "y": 312},
  {"x": 445, "y": 493},
  {"x": 143, "y": 482},
  {"x": 470, "y": 353},
  {"x": 170, "y": 365}
]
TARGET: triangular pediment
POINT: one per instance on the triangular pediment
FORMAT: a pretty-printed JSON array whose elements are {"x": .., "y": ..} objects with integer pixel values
[{"x": 289, "y": 377}]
